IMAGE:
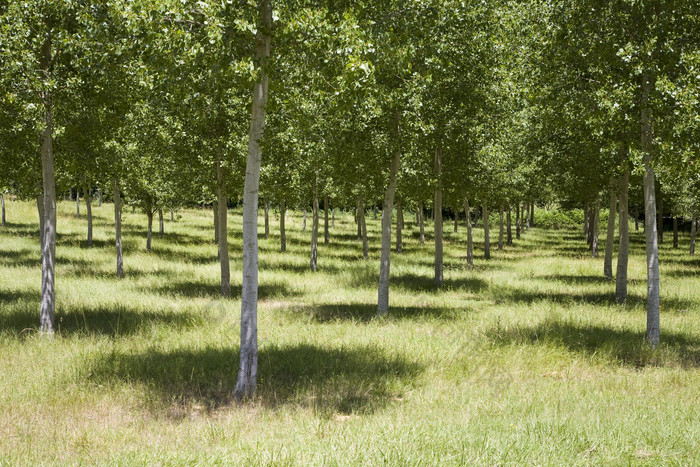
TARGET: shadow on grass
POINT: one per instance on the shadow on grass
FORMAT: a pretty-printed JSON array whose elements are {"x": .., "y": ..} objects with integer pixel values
[
  {"x": 576, "y": 279},
  {"x": 212, "y": 289},
  {"x": 365, "y": 313},
  {"x": 329, "y": 380},
  {"x": 623, "y": 347},
  {"x": 416, "y": 283},
  {"x": 114, "y": 322}
]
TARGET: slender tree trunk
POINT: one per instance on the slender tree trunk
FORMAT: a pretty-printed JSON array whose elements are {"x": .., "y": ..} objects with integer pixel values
[
  {"x": 675, "y": 231},
  {"x": 487, "y": 239},
  {"x": 532, "y": 213},
  {"x": 595, "y": 227},
  {"x": 470, "y": 240},
  {"x": 636, "y": 220},
  {"x": 526, "y": 216},
  {"x": 399, "y": 227},
  {"x": 118, "y": 228},
  {"x": 314, "y": 227},
  {"x": 326, "y": 232},
  {"x": 149, "y": 236},
  {"x": 500, "y": 227},
  {"x": 517, "y": 221},
  {"x": 610, "y": 237},
  {"x": 283, "y": 232},
  {"x": 652, "y": 245},
  {"x": 248, "y": 368},
  {"x": 365, "y": 244},
  {"x": 693, "y": 232},
  {"x": 215, "y": 208},
  {"x": 161, "y": 225},
  {"x": 387, "y": 208},
  {"x": 303, "y": 224},
  {"x": 358, "y": 219},
  {"x": 374, "y": 212},
  {"x": 438, "y": 218},
  {"x": 222, "y": 203},
  {"x": 623, "y": 251},
  {"x": 509, "y": 230},
  {"x": 421, "y": 221},
  {"x": 88, "y": 207},
  {"x": 77, "y": 203},
  {"x": 48, "y": 278},
  {"x": 2, "y": 201},
  {"x": 456, "y": 213},
  {"x": 267, "y": 219},
  {"x": 333, "y": 218}
]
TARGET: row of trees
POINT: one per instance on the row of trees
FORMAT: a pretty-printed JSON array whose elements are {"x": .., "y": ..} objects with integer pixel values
[{"x": 434, "y": 103}]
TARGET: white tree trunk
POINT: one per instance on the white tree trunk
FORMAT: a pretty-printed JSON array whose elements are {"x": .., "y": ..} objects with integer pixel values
[
  {"x": 652, "y": 245},
  {"x": 326, "y": 232},
  {"x": 517, "y": 220},
  {"x": 222, "y": 204},
  {"x": 303, "y": 224},
  {"x": 470, "y": 240},
  {"x": 509, "y": 229},
  {"x": 365, "y": 244},
  {"x": 248, "y": 367},
  {"x": 314, "y": 227},
  {"x": 48, "y": 277},
  {"x": 487, "y": 239},
  {"x": 500, "y": 227},
  {"x": 387, "y": 211},
  {"x": 118, "y": 228},
  {"x": 610, "y": 237},
  {"x": 624, "y": 249},
  {"x": 283, "y": 232},
  {"x": 438, "y": 218},
  {"x": 149, "y": 236}
]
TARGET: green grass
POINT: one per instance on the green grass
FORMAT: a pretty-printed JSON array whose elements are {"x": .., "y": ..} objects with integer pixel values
[{"x": 524, "y": 360}]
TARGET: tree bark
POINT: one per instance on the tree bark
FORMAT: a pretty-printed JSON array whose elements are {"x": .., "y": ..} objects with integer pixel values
[
  {"x": 149, "y": 236},
  {"x": 248, "y": 367},
  {"x": 509, "y": 230},
  {"x": 161, "y": 225},
  {"x": 652, "y": 241},
  {"x": 118, "y": 228},
  {"x": 624, "y": 249},
  {"x": 421, "y": 221},
  {"x": 693, "y": 232},
  {"x": 365, "y": 244},
  {"x": 303, "y": 222},
  {"x": 532, "y": 213},
  {"x": 526, "y": 215},
  {"x": 399, "y": 227},
  {"x": 314, "y": 227},
  {"x": 333, "y": 218},
  {"x": 374, "y": 212},
  {"x": 222, "y": 203},
  {"x": 283, "y": 232},
  {"x": 438, "y": 217},
  {"x": 267, "y": 219},
  {"x": 88, "y": 207},
  {"x": 326, "y": 232},
  {"x": 470, "y": 240},
  {"x": 48, "y": 259},
  {"x": 500, "y": 227},
  {"x": 595, "y": 227},
  {"x": 675, "y": 231},
  {"x": 387, "y": 208},
  {"x": 487, "y": 239},
  {"x": 610, "y": 237}
]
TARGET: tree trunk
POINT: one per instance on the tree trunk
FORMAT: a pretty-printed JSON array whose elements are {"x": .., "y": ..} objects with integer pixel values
[
  {"x": 610, "y": 237},
  {"x": 693, "y": 232},
  {"x": 456, "y": 213},
  {"x": 161, "y": 226},
  {"x": 500, "y": 227},
  {"x": 652, "y": 245},
  {"x": 303, "y": 222},
  {"x": 2, "y": 201},
  {"x": 624, "y": 249},
  {"x": 118, "y": 228},
  {"x": 595, "y": 227},
  {"x": 675, "y": 231},
  {"x": 222, "y": 203},
  {"x": 487, "y": 239},
  {"x": 387, "y": 208},
  {"x": 365, "y": 244},
  {"x": 374, "y": 212},
  {"x": 48, "y": 278},
  {"x": 470, "y": 240},
  {"x": 267, "y": 219},
  {"x": 509, "y": 230},
  {"x": 149, "y": 236},
  {"x": 421, "y": 221},
  {"x": 438, "y": 218},
  {"x": 248, "y": 368},
  {"x": 517, "y": 220},
  {"x": 526, "y": 215},
  {"x": 532, "y": 213},
  {"x": 326, "y": 232},
  {"x": 358, "y": 219},
  {"x": 314, "y": 227},
  {"x": 88, "y": 207},
  {"x": 283, "y": 232},
  {"x": 399, "y": 227},
  {"x": 77, "y": 203}
]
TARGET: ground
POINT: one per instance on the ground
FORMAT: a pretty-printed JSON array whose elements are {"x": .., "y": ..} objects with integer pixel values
[{"x": 524, "y": 359}]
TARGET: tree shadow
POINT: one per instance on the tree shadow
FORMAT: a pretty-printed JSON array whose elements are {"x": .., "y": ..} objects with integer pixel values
[
  {"x": 575, "y": 279},
  {"x": 212, "y": 289},
  {"x": 114, "y": 321},
  {"x": 21, "y": 258},
  {"x": 624, "y": 347},
  {"x": 416, "y": 283},
  {"x": 344, "y": 380},
  {"x": 364, "y": 313}
]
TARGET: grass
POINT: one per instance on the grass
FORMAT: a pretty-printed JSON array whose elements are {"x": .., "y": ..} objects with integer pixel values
[{"x": 525, "y": 359}]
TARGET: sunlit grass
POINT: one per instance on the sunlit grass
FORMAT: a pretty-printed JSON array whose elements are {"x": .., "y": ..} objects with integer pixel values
[{"x": 524, "y": 359}]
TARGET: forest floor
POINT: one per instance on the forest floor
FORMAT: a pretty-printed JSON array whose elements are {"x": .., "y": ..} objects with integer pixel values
[{"x": 526, "y": 359}]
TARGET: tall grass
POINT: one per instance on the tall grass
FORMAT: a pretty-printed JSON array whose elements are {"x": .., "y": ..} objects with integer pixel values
[{"x": 524, "y": 359}]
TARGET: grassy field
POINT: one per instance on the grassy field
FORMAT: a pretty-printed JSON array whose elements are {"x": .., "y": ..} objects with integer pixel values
[{"x": 524, "y": 360}]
